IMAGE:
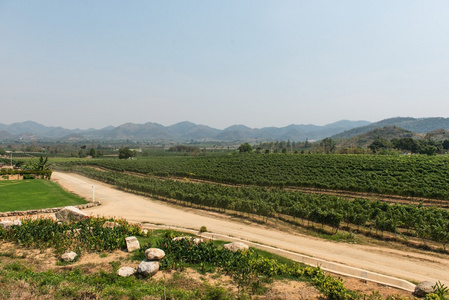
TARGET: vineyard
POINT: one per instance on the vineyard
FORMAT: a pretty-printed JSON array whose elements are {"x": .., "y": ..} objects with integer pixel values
[
  {"x": 414, "y": 175},
  {"x": 426, "y": 223}
]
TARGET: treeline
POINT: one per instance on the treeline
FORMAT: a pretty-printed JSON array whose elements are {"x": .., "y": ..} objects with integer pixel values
[
  {"x": 425, "y": 223},
  {"x": 283, "y": 146},
  {"x": 183, "y": 148},
  {"x": 405, "y": 175},
  {"x": 408, "y": 144}
]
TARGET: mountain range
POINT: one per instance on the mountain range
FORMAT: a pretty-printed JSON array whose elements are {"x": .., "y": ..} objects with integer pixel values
[
  {"x": 181, "y": 131},
  {"x": 187, "y": 131}
]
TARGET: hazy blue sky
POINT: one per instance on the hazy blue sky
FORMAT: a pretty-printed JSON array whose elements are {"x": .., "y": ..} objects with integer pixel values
[{"x": 258, "y": 63}]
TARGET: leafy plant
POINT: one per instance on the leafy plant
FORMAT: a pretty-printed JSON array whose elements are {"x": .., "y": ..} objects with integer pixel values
[{"x": 440, "y": 290}]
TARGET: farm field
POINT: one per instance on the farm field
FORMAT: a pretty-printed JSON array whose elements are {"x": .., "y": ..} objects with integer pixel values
[
  {"x": 406, "y": 175},
  {"x": 34, "y": 194},
  {"x": 276, "y": 200},
  {"x": 394, "y": 262}
]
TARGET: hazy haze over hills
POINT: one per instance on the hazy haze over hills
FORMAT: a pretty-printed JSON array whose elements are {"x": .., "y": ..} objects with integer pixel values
[
  {"x": 186, "y": 131},
  {"x": 180, "y": 131}
]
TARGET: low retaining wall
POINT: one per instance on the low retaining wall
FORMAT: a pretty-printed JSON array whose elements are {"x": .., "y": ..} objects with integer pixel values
[{"x": 23, "y": 213}]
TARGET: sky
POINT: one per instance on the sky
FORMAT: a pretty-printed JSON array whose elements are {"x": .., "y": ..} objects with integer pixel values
[{"x": 91, "y": 64}]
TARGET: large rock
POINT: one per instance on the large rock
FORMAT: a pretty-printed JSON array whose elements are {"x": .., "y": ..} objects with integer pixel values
[
  {"x": 69, "y": 256},
  {"x": 154, "y": 254},
  {"x": 8, "y": 224},
  {"x": 424, "y": 288},
  {"x": 148, "y": 268},
  {"x": 236, "y": 246},
  {"x": 5, "y": 224},
  {"x": 70, "y": 213},
  {"x": 132, "y": 243},
  {"x": 126, "y": 271}
]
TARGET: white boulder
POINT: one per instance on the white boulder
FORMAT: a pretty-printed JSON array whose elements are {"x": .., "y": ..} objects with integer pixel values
[
  {"x": 236, "y": 246},
  {"x": 69, "y": 256},
  {"x": 70, "y": 213},
  {"x": 148, "y": 268},
  {"x": 132, "y": 243},
  {"x": 8, "y": 224},
  {"x": 154, "y": 254},
  {"x": 126, "y": 271}
]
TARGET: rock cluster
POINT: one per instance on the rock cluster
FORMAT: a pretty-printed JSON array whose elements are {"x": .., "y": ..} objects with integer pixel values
[
  {"x": 147, "y": 267},
  {"x": 196, "y": 240},
  {"x": 109, "y": 224},
  {"x": 150, "y": 266}
]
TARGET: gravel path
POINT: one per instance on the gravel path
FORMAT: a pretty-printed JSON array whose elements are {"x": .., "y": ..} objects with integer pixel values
[{"x": 406, "y": 265}]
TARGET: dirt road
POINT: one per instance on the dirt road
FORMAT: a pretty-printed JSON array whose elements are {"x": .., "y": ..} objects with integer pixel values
[{"x": 406, "y": 265}]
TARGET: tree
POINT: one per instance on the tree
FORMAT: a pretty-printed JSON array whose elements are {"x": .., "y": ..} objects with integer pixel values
[
  {"x": 445, "y": 145},
  {"x": 42, "y": 164},
  {"x": 378, "y": 144},
  {"x": 328, "y": 145},
  {"x": 407, "y": 144},
  {"x": 125, "y": 153},
  {"x": 245, "y": 148},
  {"x": 93, "y": 152}
]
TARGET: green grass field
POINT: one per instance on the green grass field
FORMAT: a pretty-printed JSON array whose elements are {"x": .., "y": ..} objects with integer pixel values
[{"x": 34, "y": 194}]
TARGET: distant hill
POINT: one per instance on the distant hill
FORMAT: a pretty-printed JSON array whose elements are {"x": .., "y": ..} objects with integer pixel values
[
  {"x": 388, "y": 133},
  {"x": 186, "y": 131},
  {"x": 5, "y": 135},
  {"x": 438, "y": 135},
  {"x": 422, "y": 125},
  {"x": 183, "y": 131},
  {"x": 36, "y": 129}
]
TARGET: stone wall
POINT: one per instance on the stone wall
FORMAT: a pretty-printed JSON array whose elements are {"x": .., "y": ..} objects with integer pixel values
[{"x": 44, "y": 211}]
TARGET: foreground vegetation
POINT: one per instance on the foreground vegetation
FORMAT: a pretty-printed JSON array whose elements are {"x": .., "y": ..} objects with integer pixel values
[
  {"x": 252, "y": 271},
  {"x": 34, "y": 194}
]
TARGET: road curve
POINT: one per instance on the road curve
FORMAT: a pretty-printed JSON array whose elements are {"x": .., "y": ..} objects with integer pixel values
[{"x": 410, "y": 266}]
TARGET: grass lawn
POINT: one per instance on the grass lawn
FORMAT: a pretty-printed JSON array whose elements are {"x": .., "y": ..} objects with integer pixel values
[{"x": 34, "y": 194}]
